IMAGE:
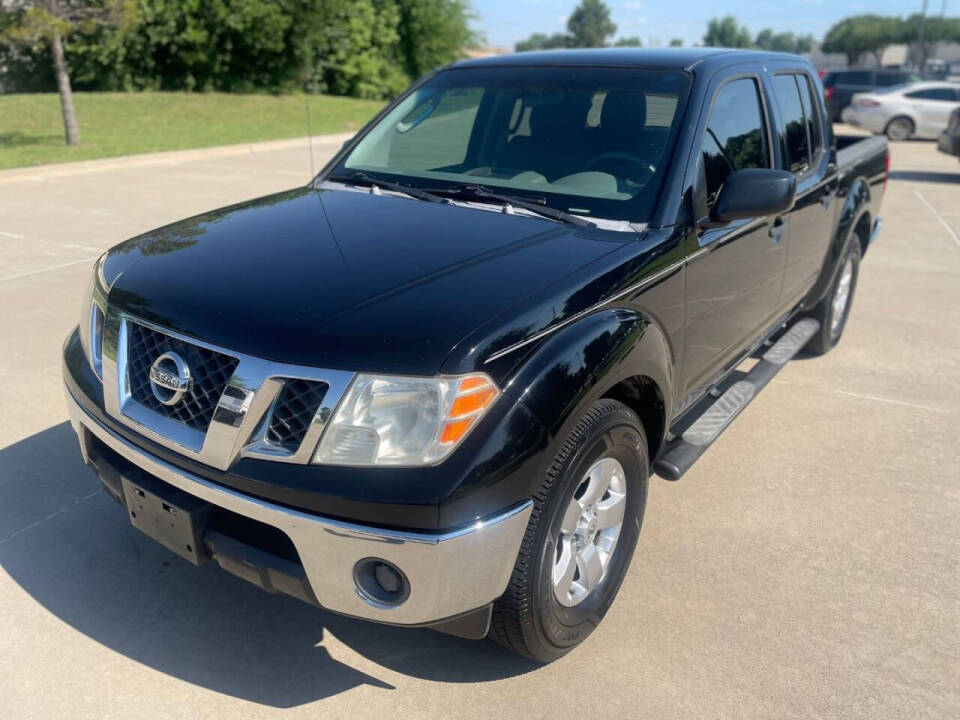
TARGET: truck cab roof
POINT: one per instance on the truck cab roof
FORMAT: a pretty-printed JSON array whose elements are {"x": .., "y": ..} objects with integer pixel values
[{"x": 706, "y": 58}]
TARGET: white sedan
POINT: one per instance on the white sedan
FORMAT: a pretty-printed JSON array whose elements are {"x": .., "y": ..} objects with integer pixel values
[{"x": 916, "y": 110}]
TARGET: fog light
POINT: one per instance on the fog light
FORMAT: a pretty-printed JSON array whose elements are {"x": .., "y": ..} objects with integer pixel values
[{"x": 381, "y": 583}]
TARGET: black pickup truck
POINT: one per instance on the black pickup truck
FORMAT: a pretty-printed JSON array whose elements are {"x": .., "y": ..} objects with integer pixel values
[{"x": 429, "y": 388}]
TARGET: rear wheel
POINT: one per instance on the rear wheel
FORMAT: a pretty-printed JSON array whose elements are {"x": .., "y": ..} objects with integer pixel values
[
  {"x": 834, "y": 309},
  {"x": 900, "y": 128},
  {"x": 581, "y": 536}
]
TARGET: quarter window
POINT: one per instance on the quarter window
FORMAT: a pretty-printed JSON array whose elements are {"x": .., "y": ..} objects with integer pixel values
[
  {"x": 794, "y": 125},
  {"x": 735, "y": 138}
]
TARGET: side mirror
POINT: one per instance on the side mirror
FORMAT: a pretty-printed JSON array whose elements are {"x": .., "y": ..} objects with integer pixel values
[{"x": 754, "y": 192}]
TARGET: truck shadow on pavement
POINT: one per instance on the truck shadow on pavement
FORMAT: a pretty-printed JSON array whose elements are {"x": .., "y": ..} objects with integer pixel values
[
  {"x": 72, "y": 549},
  {"x": 930, "y": 176}
]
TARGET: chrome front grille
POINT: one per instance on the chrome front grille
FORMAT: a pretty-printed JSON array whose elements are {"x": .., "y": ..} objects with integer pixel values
[
  {"x": 293, "y": 411},
  {"x": 210, "y": 371},
  {"x": 237, "y": 405}
]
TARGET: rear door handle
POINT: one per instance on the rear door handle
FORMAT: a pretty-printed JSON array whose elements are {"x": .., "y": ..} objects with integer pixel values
[{"x": 776, "y": 230}]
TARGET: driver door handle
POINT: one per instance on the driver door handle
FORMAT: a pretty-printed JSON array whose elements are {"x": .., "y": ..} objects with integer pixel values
[{"x": 776, "y": 230}]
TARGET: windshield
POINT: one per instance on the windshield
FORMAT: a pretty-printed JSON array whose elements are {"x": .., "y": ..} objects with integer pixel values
[{"x": 589, "y": 141}]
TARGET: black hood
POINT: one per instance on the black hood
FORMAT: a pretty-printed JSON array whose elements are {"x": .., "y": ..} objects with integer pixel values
[{"x": 345, "y": 279}]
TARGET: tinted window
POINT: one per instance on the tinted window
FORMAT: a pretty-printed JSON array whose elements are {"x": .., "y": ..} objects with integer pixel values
[
  {"x": 735, "y": 138},
  {"x": 794, "y": 122},
  {"x": 941, "y": 93},
  {"x": 853, "y": 78},
  {"x": 888, "y": 79},
  {"x": 812, "y": 113}
]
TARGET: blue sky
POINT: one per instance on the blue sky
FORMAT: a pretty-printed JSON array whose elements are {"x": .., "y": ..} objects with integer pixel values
[{"x": 506, "y": 21}]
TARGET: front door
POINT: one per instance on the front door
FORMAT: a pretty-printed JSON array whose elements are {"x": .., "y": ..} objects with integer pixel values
[{"x": 733, "y": 281}]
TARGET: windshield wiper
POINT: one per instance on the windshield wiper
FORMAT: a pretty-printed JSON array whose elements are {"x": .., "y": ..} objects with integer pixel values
[
  {"x": 534, "y": 205},
  {"x": 362, "y": 177}
]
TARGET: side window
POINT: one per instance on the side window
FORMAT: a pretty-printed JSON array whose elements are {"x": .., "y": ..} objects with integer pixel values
[
  {"x": 940, "y": 93},
  {"x": 794, "y": 123},
  {"x": 735, "y": 136},
  {"x": 812, "y": 113},
  {"x": 854, "y": 78},
  {"x": 889, "y": 79}
]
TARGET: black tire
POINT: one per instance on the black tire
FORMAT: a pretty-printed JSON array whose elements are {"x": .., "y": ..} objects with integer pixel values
[
  {"x": 830, "y": 333},
  {"x": 528, "y": 619},
  {"x": 899, "y": 128}
]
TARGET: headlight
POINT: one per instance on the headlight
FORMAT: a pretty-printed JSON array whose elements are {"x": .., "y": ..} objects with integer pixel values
[
  {"x": 389, "y": 420},
  {"x": 92, "y": 312}
]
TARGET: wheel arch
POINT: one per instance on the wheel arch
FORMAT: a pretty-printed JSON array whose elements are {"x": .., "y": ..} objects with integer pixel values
[{"x": 617, "y": 353}]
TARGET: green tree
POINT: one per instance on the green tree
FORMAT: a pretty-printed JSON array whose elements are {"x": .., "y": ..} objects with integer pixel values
[
  {"x": 767, "y": 39},
  {"x": 861, "y": 34},
  {"x": 726, "y": 32},
  {"x": 433, "y": 33},
  {"x": 676, "y": 42},
  {"x": 590, "y": 25},
  {"x": 542, "y": 41},
  {"x": 47, "y": 23},
  {"x": 629, "y": 42},
  {"x": 934, "y": 30}
]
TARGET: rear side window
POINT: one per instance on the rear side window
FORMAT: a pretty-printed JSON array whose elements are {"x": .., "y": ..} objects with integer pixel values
[
  {"x": 812, "y": 114},
  {"x": 735, "y": 138},
  {"x": 854, "y": 78},
  {"x": 794, "y": 129},
  {"x": 941, "y": 93}
]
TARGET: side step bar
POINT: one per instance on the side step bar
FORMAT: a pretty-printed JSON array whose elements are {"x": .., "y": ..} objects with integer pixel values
[{"x": 696, "y": 432}]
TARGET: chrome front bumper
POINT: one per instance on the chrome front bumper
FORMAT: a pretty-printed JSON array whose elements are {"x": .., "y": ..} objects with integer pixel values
[{"x": 449, "y": 573}]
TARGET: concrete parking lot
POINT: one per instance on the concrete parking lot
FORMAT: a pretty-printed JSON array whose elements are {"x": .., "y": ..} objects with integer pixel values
[{"x": 808, "y": 566}]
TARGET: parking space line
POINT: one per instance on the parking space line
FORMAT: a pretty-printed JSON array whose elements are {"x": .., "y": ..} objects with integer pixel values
[
  {"x": 48, "y": 269},
  {"x": 892, "y": 402},
  {"x": 938, "y": 216},
  {"x": 52, "y": 515},
  {"x": 16, "y": 236}
]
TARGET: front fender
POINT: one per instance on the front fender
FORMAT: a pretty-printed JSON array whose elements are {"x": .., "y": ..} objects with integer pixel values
[{"x": 580, "y": 363}]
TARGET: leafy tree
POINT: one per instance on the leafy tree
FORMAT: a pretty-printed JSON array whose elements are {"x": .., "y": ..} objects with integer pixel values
[
  {"x": 676, "y": 42},
  {"x": 590, "y": 25},
  {"x": 433, "y": 33},
  {"x": 541, "y": 41},
  {"x": 629, "y": 42},
  {"x": 935, "y": 29},
  {"x": 726, "y": 32},
  {"x": 861, "y": 34},
  {"x": 767, "y": 39},
  {"x": 46, "y": 23}
]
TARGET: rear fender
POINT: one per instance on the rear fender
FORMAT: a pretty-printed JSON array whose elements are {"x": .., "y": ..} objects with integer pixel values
[
  {"x": 855, "y": 207},
  {"x": 582, "y": 362}
]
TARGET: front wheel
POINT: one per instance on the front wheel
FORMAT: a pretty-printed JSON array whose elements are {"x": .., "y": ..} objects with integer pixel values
[
  {"x": 580, "y": 538},
  {"x": 834, "y": 309}
]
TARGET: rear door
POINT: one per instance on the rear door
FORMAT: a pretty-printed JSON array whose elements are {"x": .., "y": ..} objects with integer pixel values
[
  {"x": 932, "y": 107},
  {"x": 733, "y": 278},
  {"x": 800, "y": 125}
]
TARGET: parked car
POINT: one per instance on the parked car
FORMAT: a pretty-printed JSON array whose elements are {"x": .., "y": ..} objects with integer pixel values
[
  {"x": 949, "y": 140},
  {"x": 918, "y": 110},
  {"x": 429, "y": 388},
  {"x": 839, "y": 86}
]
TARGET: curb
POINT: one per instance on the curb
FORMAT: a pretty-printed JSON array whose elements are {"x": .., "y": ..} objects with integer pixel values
[{"x": 169, "y": 157}]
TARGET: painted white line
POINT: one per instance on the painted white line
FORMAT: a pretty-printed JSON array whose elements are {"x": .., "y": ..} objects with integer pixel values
[
  {"x": 939, "y": 217},
  {"x": 892, "y": 402},
  {"x": 52, "y": 515},
  {"x": 12, "y": 235},
  {"x": 48, "y": 269}
]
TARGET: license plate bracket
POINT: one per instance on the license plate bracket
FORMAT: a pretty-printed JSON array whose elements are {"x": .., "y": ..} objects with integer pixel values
[{"x": 170, "y": 516}]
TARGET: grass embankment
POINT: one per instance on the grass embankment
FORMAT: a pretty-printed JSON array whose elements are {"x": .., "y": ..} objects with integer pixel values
[{"x": 112, "y": 124}]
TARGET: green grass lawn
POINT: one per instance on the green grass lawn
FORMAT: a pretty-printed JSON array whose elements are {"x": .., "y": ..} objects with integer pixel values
[{"x": 111, "y": 124}]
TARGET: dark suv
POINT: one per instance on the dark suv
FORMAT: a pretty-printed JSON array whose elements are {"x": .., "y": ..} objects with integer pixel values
[{"x": 840, "y": 85}]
